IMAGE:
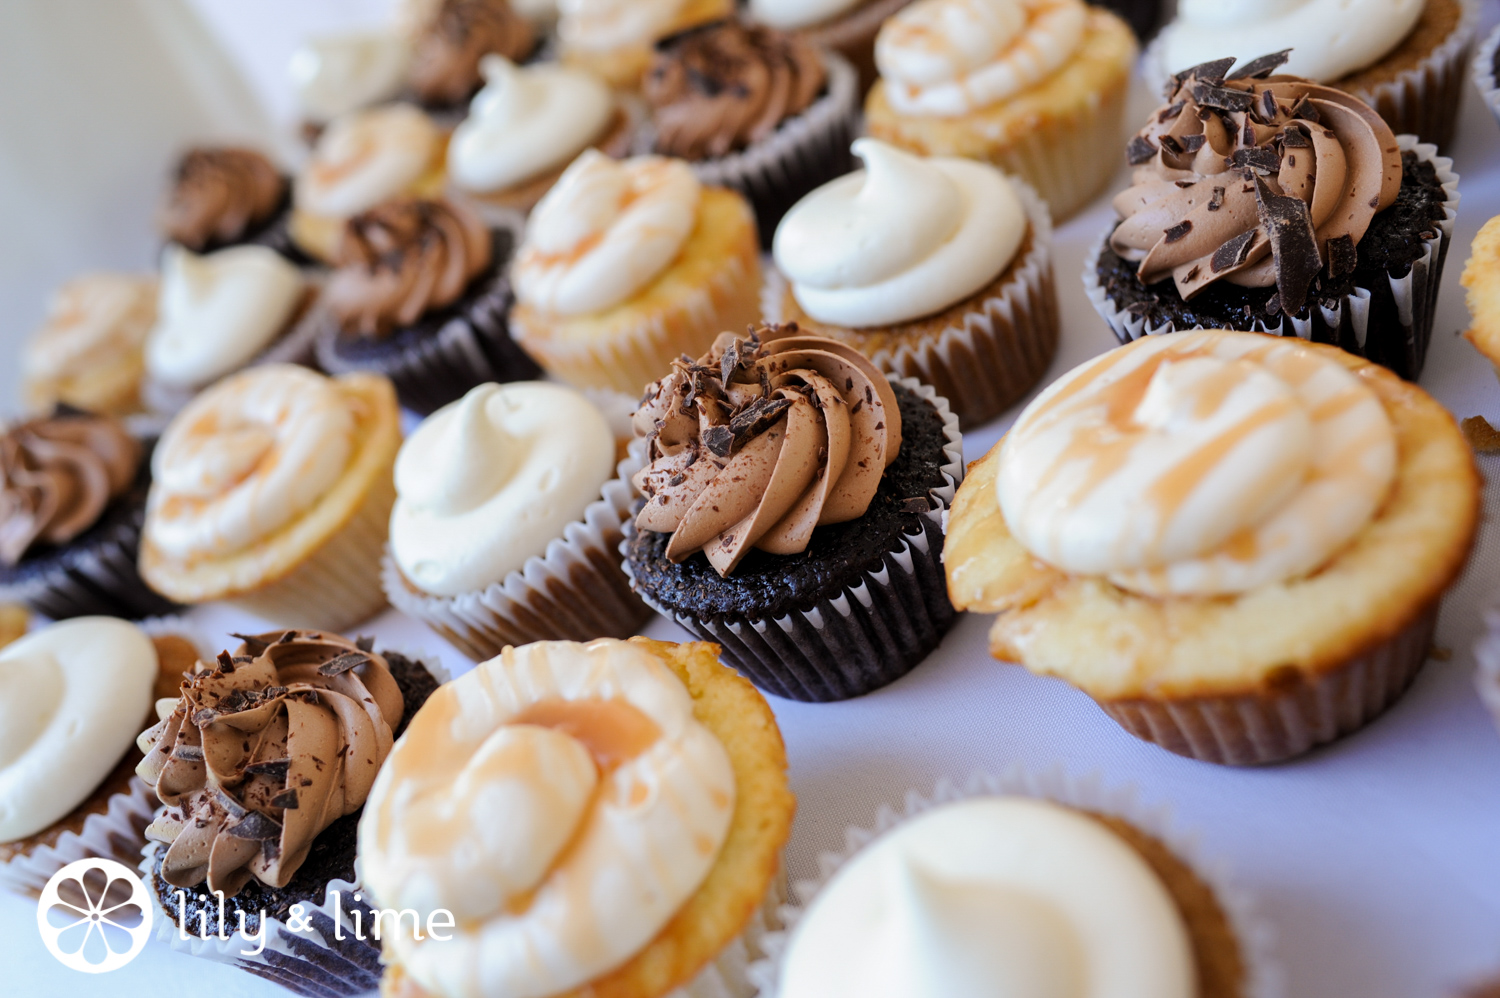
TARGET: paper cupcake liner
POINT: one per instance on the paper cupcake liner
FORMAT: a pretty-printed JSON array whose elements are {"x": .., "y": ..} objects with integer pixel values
[
  {"x": 852, "y": 36},
  {"x": 728, "y": 976},
  {"x": 1252, "y": 931},
  {"x": 115, "y": 834},
  {"x": 1002, "y": 349},
  {"x": 1487, "y": 656},
  {"x": 1483, "y": 71},
  {"x": 576, "y": 591},
  {"x": 865, "y": 637},
  {"x": 1391, "y": 325}
]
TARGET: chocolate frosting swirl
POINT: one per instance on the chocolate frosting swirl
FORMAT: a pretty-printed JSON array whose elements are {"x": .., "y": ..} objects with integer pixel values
[
  {"x": 1256, "y": 180},
  {"x": 720, "y": 87},
  {"x": 760, "y": 441},
  {"x": 220, "y": 196},
  {"x": 402, "y": 259},
  {"x": 57, "y": 475},
  {"x": 266, "y": 748},
  {"x": 445, "y": 64}
]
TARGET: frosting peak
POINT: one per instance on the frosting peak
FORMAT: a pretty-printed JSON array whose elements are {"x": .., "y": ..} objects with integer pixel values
[
  {"x": 88, "y": 353},
  {"x": 220, "y": 196},
  {"x": 365, "y": 157},
  {"x": 337, "y": 74},
  {"x": 445, "y": 68},
  {"x": 789, "y": 15}
]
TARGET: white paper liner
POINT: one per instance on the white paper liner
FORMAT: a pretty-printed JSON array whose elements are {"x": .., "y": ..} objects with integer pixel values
[
  {"x": 575, "y": 591},
  {"x": 801, "y": 654},
  {"x": 1483, "y": 71},
  {"x": 1414, "y": 296},
  {"x": 1255, "y": 935}
]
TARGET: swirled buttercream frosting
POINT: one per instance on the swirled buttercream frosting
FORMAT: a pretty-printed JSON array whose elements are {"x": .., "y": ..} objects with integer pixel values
[
  {"x": 445, "y": 66},
  {"x": 336, "y": 74},
  {"x": 221, "y": 195},
  {"x": 562, "y": 802},
  {"x": 718, "y": 88},
  {"x": 761, "y": 440},
  {"x": 1255, "y": 181},
  {"x": 903, "y": 238},
  {"x": 606, "y": 25},
  {"x": 93, "y": 321},
  {"x": 1204, "y": 463},
  {"x": 57, "y": 476},
  {"x": 266, "y": 747},
  {"x": 944, "y": 58},
  {"x": 403, "y": 259},
  {"x": 365, "y": 157}
]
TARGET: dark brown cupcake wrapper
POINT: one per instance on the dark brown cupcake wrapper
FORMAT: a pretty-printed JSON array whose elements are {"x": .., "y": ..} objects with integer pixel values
[{"x": 866, "y": 636}]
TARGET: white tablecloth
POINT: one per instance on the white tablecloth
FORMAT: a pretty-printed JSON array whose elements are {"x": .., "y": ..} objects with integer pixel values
[{"x": 1376, "y": 859}]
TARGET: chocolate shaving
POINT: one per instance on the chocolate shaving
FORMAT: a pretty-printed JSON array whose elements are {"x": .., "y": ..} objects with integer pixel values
[
  {"x": 1268, "y": 105},
  {"x": 1166, "y": 114},
  {"x": 1273, "y": 304},
  {"x": 1294, "y": 243},
  {"x": 204, "y": 716},
  {"x": 275, "y": 768},
  {"x": 731, "y": 361},
  {"x": 188, "y": 753},
  {"x": 256, "y": 827},
  {"x": 719, "y": 440},
  {"x": 286, "y": 637},
  {"x": 1217, "y": 200},
  {"x": 1222, "y": 98},
  {"x": 1233, "y": 253},
  {"x": 226, "y": 662},
  {"x": 253, "y": 644},
  {"x": 1139, "y": 150},
  {"x": 1342, "y": 257},
  {"x": 1262, "y": 67},
  {"x": 1192, "y": 143},
  {"x": 1247, "y": 134},
  {"x": 1171, "y": 145},
  {"x": 286, "y": 800},
  {"x": 1262, "y": 159},
  {"x": 342, "y": 664},
  {"x": 1178, "y": 231},
  {"x": 365, "y": 643},
  {"x": 1295, "y": 137},
  {"x": 1304, "y": 110},
  {"x": 1209, "y": 72}
]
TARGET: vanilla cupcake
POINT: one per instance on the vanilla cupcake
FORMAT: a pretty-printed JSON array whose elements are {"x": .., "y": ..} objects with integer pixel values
[
  {"x": 507, "y": 523},
  {"x": 90, "y": 350},
  {"x": 1481, "y": 281},
  {"x": 627, "y": 265},
  {"x": 613, "y": 38},
  {"x": 599, "y": 819},
  {"x": 937, "y": 269},
  {"x": 1036, "y": 87},
  {"x": 338, "y": 74},
  {"x": 848, "y": 27},
  {"x": 272, "y": 490},
  {"x": 1236, "y": 544}
]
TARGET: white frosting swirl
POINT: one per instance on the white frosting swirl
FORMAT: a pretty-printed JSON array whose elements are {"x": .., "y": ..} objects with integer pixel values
[
  {"x": 604, "y": 231},
  {"x": 246, "y": 457},
  {"x": 92, "y": 318},
  {"x": 216, "y": 313},
  {"x": 1201, "y": 463},
  {"x": 1329, "y": 39},
  {"x": 606, "y": 25},
  {"x": 491, "y": 480},
  {"x": 525, "y": 122},
  {"x": 73, "y": 696},
  {"x": 336, "y": 74},
  {"x": 903, "y": 238},
  {"x": 992, "y": 896},
  {"x": 365, "y": 157},
  {"x": 949, "y": 57},
  {"x": 788, "y": 15},
  {"x": 562, "y": 801}
]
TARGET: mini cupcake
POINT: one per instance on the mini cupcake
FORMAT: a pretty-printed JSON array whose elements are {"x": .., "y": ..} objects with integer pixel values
[
  {"x": 272, "y": 490},
  {"x": 72, "y": 498},
  {"x": 77, "y": 694},
  {"x": 1482, "y": 281},
  {"x": 1234, "y": 220},
  {"x": 794, "y": 508},
  {"x": 938, "y": 270},
  {"x": 1405, "y": 58},
  {"x": 527, "y": 125},
  {"x": 628, "y": 265},
  {"x": 421, "y": 296},
  {"x": 227, "y": 196},
  {"x": 1236, "y": 544},
  {"x": 336, "y": 75},
  {"x": 613, "y": 38},
  {"x": 90, "y": 351},
  {"x": 847, "y": 27},
  {"x": 450, "y": 43},
  {"x": 264, "y": 761},
  {"x": 1038, "y": 89},
  {"x": 601, "y": 819},
  {"x": 360, "y": 160}
]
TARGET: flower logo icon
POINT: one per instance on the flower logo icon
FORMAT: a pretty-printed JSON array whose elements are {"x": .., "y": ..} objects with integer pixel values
[{"x": 94, "y": 915}]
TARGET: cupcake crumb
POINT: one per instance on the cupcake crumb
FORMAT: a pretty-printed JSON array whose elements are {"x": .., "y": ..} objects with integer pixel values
[{"x": 1482, "y": 436}]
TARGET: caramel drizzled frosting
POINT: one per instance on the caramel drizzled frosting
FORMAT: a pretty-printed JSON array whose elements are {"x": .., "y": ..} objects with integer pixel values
[
  {"x": 266, "y": 748},
  {"x": 1256, "y": 180},
  {"x": 760, "y": 441},
  {"x": 445, "y": 66},
  {"x": 723, "y": 86},
  {"x": 220, "y": 196},
  {"x": 403, "y": 259},
  {"x": 57, "y": 476}
]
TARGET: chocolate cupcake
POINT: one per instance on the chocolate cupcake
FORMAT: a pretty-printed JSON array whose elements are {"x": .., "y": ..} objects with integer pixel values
[
  {"x": 228, "y": 196},
  {"x": 72, "y": 501},
  {"x": 448, "y": 46},
  {"x": 421, "y": 296},
  {"x": 754, "y": 109},
  {"x": 793, "y": 511},
  {"x": 1272, "y": 204}
]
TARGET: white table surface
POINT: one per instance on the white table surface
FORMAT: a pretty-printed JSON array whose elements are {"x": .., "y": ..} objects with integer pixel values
[{"x": 1377, "y": 859}]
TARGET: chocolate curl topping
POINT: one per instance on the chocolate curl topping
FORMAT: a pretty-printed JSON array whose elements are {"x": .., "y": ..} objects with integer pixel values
[
  {"x": 1208, "y": 72},
  {"x": 1294, "y": 243},
  {"x": 1262, "y": 67}
]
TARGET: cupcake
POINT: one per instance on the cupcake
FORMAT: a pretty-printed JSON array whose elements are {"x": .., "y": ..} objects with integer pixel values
[
  {"x": 336, "y": 75},
  {"x": 263, "y": 762},
  {"x": 793, "y": 513},
  {"x": 655, "y": 869},
  {"x": 72, "y": 498},
  {"x": 527, "y": 125},
  {"x": 1405, "y": 58},
  {"x": 228, "y": 196},
  {"x": 627, "y": 265},
  {"x": 360, "y": 160},
  {"x": 1486, "y": 71},
  {"x": 753, "y": 109},
  {"x": 847, "y": 27},
  {"x": 1482, "y": 282},
  {"x": 1234, "y": 219},
  {"x": 613, "y": 38},
  {"x": 507, "y": 523},
  {"x": 90, "y": 351},
  {"x": 77, "y": 693},
  {"x": 420, "y": 295},
  {"x": 272, "y": 490},
  {"x": 452, "y": 40},
  {"x": 936, "y": 269},
  {"x": 1236, "y": 544},
  {"x": 1038, "y": 89}
]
